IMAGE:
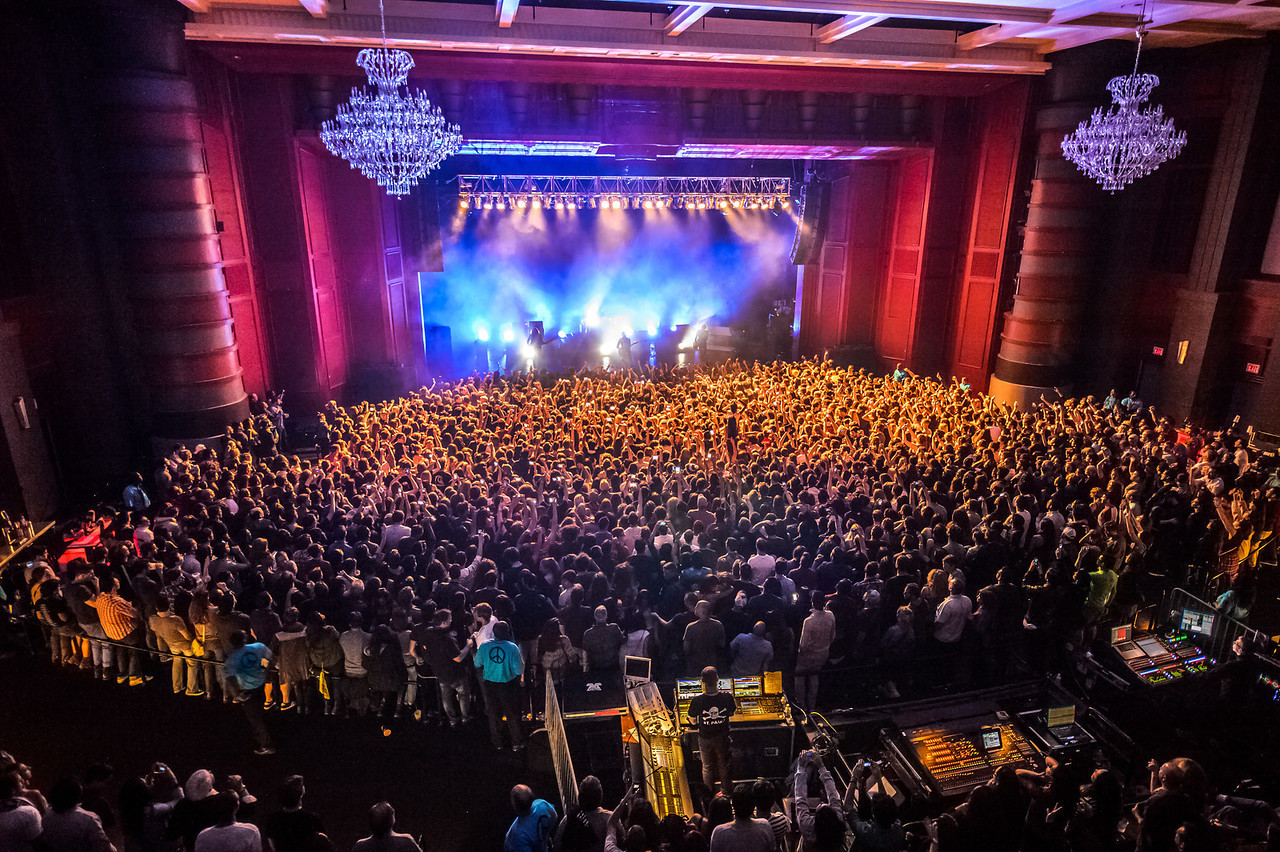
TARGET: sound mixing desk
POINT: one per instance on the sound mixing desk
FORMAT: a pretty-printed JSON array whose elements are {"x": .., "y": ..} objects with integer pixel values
[
  {"x": 666, "y": 783},
  {"x": 1161, "y": 658},
  {"x": 756, "y": 699},
  {"x": 949, "y": 760}
]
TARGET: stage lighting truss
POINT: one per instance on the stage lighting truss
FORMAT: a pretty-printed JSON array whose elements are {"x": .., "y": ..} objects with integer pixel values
[{"x": 522, "y": 193}]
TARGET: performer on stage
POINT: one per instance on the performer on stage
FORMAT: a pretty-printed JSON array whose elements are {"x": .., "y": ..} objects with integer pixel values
[
  {"x": 709, "y": 715},
  {"x": 624, "y": 352},
  {"x": 700, "y": 341}
]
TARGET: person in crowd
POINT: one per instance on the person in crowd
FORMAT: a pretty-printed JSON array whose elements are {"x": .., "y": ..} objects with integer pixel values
[
  {"x": 584, "y": 826},
  {"x": 383, "y": 836},
  {"x": 745, "y": 833},
  {"x": 67, "y": 827},
  {"x": 820, "y": 818},
  {"x": 535, "y": 822},
  {"x": 247, "y": 664},
  {"x": 20, "y": 821},
  {"x": 227, "y": 834},
  {"x": 602, "y": 641},
  {"x": 174, "y": 637},
  {"x": 501, "y": 677},
  {"x": 816, "y": 637},
  {"x": 704, "y": 641},
  {"x": 752, "y": 652},
  {"x": 292, "y": 828}
]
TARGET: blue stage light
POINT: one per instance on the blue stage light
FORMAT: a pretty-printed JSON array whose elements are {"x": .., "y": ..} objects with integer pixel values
[
  {"x": 482, "y": 333},
  {"x": 508, "y": 334}
]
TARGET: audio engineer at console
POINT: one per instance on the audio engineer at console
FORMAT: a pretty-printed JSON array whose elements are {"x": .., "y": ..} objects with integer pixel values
[{"x": 709, "y": 715}]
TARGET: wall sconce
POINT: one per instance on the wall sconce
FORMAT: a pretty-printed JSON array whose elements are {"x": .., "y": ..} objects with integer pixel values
[{"x": 1182, "y": 350}]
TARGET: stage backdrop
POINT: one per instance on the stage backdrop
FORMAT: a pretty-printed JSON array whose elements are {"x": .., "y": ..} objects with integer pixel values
[{"x": 611, "y": 270}]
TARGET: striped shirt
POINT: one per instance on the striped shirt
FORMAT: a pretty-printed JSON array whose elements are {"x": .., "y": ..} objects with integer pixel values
[{"x": 116, "y": 614}]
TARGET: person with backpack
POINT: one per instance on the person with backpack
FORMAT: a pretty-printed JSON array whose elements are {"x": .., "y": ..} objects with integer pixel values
[{"x": 585, "y": 825}]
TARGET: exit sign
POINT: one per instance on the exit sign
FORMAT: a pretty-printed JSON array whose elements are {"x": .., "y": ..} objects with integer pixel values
[
  {"x": 1253, "y": 368},
  {"x": 1157, "y": 350}
]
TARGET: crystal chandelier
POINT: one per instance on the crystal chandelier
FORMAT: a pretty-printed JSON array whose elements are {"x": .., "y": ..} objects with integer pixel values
[
  {"x": 1126, "y": 142},
  {"x": 391, "y": 138}
]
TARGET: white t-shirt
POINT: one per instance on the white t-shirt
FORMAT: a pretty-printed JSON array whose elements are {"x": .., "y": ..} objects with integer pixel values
[
  {"x": 761, "y": 567},
  {"x": 237, "y": 837},
  {"x": 755, "y": 836}
]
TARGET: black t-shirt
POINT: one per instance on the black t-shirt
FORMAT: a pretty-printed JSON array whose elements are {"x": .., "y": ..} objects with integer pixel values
[
  {"x": 292, "y": 831},
  {"x": 710, "y": 713}
]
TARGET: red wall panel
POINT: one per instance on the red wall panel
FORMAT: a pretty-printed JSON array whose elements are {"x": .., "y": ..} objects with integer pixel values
[
  {"x": 895, "y": 331},
  {"x": 1000, "y": 119}
]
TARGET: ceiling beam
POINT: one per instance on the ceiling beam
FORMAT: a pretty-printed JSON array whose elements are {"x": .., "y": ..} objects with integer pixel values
[
  {"x": 507, "y": 12},
  {"x": 317, "y": 8},
  {"x": 1093, "y": 22},
  {"x": 847, "y": 26},
  {"x": 198, "y": 6},
  {"x": 684, "y": 17},
  {"x": 934, "y": 10}
]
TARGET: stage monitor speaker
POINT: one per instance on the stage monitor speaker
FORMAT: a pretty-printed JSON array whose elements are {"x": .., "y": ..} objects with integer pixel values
[
  {"x": 811, "y": 230},
  {"x": 439, "y": 351},
  {"x": 596, "y": 748}
]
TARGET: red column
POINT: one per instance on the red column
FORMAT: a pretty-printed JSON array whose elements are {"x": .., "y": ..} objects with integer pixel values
[{"x": 151, "y": 151}]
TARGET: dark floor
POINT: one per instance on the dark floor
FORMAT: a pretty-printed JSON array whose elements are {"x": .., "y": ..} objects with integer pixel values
[{"x": 448, "y": 786}]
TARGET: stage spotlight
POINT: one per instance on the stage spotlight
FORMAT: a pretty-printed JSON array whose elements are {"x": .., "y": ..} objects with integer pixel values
[
  {"x": 648, "y": 204},
  {"x": 702, "y": 204},
  {"x": 653, "y": 330},
  {"x": 508, "y": 334},
  {"x": 689, "y": 204},
  {"x": 502, "y": 204},
  {"x": 737, "y": 202},
  {"x": 616, "y": 203},
  {"x": 482, "y": 334},
  {"x": 786, "y": 203},
  {"x": 594, "y": 202},
  {"x": 560, "y": 334},
  {"x": 488, "y": 204},
  {"x": 674, "y": 327},
  {"x": 559, "y": 204},
  {"x": 573, "y": 204},
  {"x": 521, "y": 202},
  {"x": 463, "y": 203},
  {"x": 722, "y": 204},
  {"x": 537, "y": 203}
]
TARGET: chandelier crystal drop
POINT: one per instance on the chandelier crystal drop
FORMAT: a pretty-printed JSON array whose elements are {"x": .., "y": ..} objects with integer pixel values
[
  {"x": 392, "y": 138},
  {"x": 1126, "y": 142}
]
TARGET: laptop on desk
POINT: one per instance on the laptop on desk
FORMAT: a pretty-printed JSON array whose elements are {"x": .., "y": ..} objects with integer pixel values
[{"x": 1061, "y": 722}]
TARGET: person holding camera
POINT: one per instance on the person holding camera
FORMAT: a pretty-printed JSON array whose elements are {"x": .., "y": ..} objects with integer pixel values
[{"x": 820, "y": 818}]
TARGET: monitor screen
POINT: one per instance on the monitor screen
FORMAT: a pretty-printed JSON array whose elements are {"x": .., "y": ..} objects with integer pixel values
[
  {"x": 637, "y": 667},
  {"x": 1197, "y": 621},
  {"x": 747, "y": 687},
  {"x": 1061, "y": 716},
  {"x": 726, "y": 685},
  {"x": 991, "y": 739},
  {"x": 688, "y": 688},
  {"x": 1120, "y": 634}
]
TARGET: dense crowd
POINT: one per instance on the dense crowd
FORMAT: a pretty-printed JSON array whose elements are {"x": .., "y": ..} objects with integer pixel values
[
  {"x": 903, "y": 531},
  {"x": 1018, "y": 811},
  {"x": 791, "y": 516}
]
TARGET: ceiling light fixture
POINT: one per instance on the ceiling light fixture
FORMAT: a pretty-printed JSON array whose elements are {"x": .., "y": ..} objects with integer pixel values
[
  {"x": 1126, "y": 142},
  {"x": 392, "y": 138}
]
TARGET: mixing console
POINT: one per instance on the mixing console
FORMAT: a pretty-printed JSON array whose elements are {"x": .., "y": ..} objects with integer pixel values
[
  {"x": 666, "y": 784},
  {"x": 758, "y": 699},
  {"x": 1159, "y": 659},
  {"x": 959, "y": 760}
]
